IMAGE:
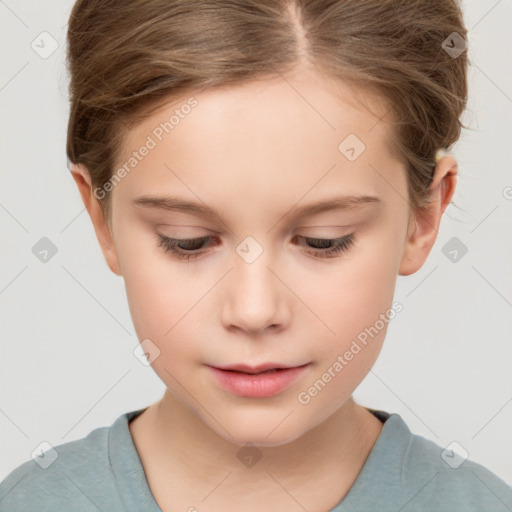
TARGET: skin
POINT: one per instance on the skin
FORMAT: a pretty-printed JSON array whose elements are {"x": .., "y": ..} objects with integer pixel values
[{"x": 255, "y": 152}]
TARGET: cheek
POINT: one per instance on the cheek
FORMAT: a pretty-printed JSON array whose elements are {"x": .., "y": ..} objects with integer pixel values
[
  {"x": 162, "y": 310},
  {"x": 161, "y": 303},
  {"x": 357, "y": 307},
  {"x": 159, "y": 291},
  {"x": 352, "y": 294},
  {"x": 354, "y": 303}
]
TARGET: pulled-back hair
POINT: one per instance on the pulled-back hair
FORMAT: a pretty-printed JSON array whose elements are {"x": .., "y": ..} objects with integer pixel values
[{"x": 126, "y": 58}]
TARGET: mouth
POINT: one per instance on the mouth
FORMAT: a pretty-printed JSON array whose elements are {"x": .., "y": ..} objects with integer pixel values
[
  {"x": 256, "y": 382},
  {"x": 261, "y": 368}
]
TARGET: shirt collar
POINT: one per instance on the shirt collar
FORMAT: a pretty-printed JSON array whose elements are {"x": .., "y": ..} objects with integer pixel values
[
  {"x": 127, "y": 468},
  {"x": 381, "y": 474}
]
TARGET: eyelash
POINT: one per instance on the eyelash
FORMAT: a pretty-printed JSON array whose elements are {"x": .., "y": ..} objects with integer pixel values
[{"x": 342, "y": 245}]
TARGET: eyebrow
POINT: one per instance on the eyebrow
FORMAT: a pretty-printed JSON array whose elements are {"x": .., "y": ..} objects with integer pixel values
[{"x": 170, "y": 203}]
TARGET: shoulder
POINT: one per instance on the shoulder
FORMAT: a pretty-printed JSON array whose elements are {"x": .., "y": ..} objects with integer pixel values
[
  {"x": 445, "y": 478},
  {"x": 74, "y": 475},
  {"x": 405, "y": 471}
]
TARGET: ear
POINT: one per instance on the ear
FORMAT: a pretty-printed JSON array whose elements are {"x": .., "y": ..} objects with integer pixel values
[
  {"x": 83, "y": 181},
  {"x": 424, "y": 223}
]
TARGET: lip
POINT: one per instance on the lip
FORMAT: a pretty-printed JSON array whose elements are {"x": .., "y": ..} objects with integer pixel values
[
  {"x": 256, "y": 381},
  {"x": 254, "y": 369}
]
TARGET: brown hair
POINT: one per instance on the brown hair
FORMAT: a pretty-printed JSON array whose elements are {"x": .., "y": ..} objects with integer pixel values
[{"x": 128, "y": 57}]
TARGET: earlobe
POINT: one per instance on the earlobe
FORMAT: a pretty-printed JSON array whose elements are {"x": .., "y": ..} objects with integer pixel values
[
  {"x": 424, "y": 223},
  {"x": 83, "y": 181}
]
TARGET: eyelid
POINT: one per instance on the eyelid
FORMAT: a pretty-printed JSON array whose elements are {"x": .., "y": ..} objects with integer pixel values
[{"x": 340, "y": 245}]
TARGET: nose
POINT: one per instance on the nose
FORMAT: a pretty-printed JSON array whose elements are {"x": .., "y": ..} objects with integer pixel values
[{"x": 255, "y": 298}]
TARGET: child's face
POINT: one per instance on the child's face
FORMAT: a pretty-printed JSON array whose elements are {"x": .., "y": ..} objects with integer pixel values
[{"x": 255, "y": 153}]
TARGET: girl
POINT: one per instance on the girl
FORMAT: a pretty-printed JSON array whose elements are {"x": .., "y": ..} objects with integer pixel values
[{"x": 259, "y": 173}]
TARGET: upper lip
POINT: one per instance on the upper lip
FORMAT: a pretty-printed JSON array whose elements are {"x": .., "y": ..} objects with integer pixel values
[{"x": 256, "y": 369}]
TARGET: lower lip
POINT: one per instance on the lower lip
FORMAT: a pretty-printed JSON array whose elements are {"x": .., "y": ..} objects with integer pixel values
[{"x": 260, "y": 385}]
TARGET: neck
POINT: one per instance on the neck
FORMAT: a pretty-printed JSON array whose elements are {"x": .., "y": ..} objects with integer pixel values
[{"x": 174, "y": 444}]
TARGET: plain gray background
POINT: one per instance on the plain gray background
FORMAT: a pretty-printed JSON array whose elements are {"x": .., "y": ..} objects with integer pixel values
[{"x": 67, "y": 365}]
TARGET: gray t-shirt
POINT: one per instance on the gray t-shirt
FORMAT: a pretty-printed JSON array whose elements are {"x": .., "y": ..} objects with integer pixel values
[{"x": 403, "y": 472}]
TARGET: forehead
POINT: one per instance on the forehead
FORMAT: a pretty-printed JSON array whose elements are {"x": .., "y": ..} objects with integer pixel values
[
  {"x": 323, "y": 102},
  {"x": 274, "y": 136}
]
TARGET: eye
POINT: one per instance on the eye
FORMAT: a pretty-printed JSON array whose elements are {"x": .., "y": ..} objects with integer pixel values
[
  {"x": 329, "y": 247},
  {"x": 324, "y": 247},
  {"x": 174, "y": 245}
]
